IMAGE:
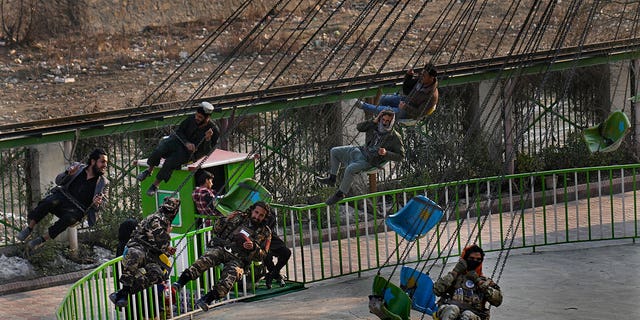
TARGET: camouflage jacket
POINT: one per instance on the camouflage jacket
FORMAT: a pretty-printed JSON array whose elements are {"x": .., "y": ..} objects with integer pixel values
[
  {"x": 232, "y": 231},
  {"x": 151, "y": 234},
  {"x": 467, "y": 294}
]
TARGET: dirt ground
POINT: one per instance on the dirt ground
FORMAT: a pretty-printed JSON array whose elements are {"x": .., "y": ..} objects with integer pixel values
[{"x": 76, "y": 74}]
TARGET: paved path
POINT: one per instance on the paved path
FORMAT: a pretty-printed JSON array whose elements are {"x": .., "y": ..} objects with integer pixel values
[
  {"x": 32, "y": 305},
  {"x": 578, "y": 281},
  {"x": 565, "y": 282}
]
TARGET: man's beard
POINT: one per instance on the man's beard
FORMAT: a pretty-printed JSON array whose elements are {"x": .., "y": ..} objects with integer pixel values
[{"x": 97, "y": 171}]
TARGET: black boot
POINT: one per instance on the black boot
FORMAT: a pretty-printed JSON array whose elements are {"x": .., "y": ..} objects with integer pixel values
[
  {"x": 339, "y": 195},
  {"x": 205, "y": 300},
  {"x": 184, "y": 279},
  {"x": 119, "y": 298},
  {"x": 268, "y": 279},
  {"x": 330, "y": 179},
  {"x": 279, "y": 280}
]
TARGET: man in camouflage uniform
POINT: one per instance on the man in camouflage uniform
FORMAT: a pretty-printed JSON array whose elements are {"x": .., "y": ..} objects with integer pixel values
[
  {"x": 464, "y": 292},
  {"x": 241, "y": 238},
  {"x": 143, "y": 265}
]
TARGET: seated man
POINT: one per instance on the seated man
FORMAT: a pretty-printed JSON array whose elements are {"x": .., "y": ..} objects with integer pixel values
[
  {"x": 204, "y": 197},
  {"x": 195, "y": 137},
  {"x": 278, "y": 250},
  {"x": 142, "y": 265},
  {"x": 81, "y": 191},
  {"x": 241, "y": 238},
  {"x": 383, "y": 144},
  {"x": 464, "y": 292},
  {"x": 419, "y": 98}
]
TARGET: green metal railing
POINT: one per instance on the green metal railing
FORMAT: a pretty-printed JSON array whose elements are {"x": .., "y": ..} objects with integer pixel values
[
  {"x": 88, "y": 298},
  {"x": 15, "y": 192},
  {"x": 499, "y": 213},
  {"x": 515, "y": 211}
]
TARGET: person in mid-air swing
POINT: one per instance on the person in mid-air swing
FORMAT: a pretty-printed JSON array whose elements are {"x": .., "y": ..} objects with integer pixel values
[
  {"x": 143, "y": 264},
  {"x": 81, "y": 191},
  {"x": 418, "y": 99},
  {"x": 465, "y": 292},
  {"x": 195, "y": 137},
  {"x": 383, "y": 144}
]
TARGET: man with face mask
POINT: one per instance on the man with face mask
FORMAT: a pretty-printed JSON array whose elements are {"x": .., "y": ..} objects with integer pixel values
[
  {"x": 195, "y": 137},
  {"x": 465, "y": 291},
  {"x": 241, "y": 238},
  {"x": 82, "y": 190},
  {"x": 383, "y": 144}
]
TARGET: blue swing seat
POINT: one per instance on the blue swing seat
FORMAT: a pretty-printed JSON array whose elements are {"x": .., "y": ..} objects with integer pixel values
[
  {"x": 242, "y": 196},
  {"x": 416, "y": 218},
  {"x": 607, "y": 136},
  {"x": 419, "y": 287}
]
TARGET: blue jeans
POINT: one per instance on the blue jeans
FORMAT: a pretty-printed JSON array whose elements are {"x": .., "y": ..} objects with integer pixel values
[
  {"x": 387, "y": 102},
  {"x": 353, "y": 160}
]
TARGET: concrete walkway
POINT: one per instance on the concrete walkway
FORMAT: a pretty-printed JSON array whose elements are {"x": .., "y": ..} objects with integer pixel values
[
  {"x": 32, "y": 305},
  {"x": 563, "y": 282},
  {"x": 580, "y": 281}
]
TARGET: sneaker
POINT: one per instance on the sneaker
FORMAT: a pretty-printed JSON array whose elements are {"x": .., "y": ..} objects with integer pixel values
[
  {"x": 120, "y": 302},
  {"x": 143, "y": 175},
  {"x": 202, "y": 304},
  {"x": 280, "y": 280},
  {"x": 329, "y": 180},
  {"x": 177, "y": 285},
  {"x": 335, "y": 198},
  {"x": 24, "y": 234},
  {"x": 152, "y": 190},
  {"x": 358, "y": 104},
  {"x": 36, "y": 243}
]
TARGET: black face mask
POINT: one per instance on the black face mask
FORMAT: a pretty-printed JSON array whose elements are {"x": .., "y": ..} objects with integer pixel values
[{"x": 472, "y": 264}]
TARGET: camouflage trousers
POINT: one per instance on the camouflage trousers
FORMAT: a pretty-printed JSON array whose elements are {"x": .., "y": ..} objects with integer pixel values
[
  {"x": 138, "y": 272},
  {"x": 231, "y": 272},
  {"x": 453, "y": 312}
]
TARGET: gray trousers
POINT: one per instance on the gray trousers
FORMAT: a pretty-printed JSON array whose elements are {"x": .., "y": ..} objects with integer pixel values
[{"x": 352, "y": 159}]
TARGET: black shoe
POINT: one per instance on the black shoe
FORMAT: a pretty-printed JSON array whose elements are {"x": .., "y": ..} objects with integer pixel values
[
  {"x": 268, "y": 279},
  {"x": 280, "y": 280},
  {"x": 177, "y": 285},
  {"x": 330, "y": 180},
  {"x": 143, "y": 175},
  {"x": 119, "y": 301},
  {"x": 36, "y": 243},
  {"x": 335, "y": 198},
  {"x": 152, "y": 190},
  {"x": 202, "y": 304},
  {"x": 24, "y": 234}
]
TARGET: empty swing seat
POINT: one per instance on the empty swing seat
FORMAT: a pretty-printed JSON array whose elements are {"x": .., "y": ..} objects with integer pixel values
[
  {"x": 242, "y": 196},
  {"x": 416, "y": 218},
  {"x": 388, "y": 301},
  {"x": 607, "y": 136},
  {"x": 419, "y": 287}
]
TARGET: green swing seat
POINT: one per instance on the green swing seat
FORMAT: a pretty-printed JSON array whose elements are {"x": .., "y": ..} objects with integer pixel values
[
  {"x": 388, "y": 301},
  {"x": 242, "y": 196},
  {"x": 607, "y": 136}
]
